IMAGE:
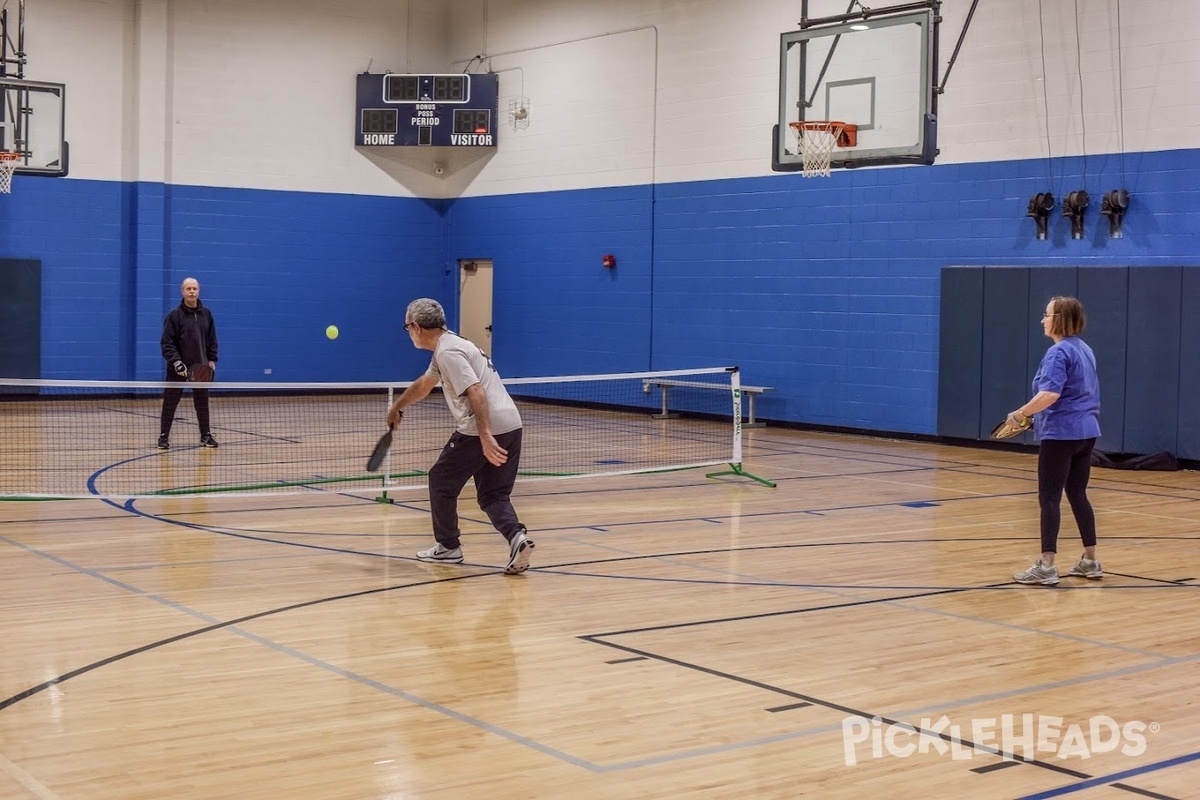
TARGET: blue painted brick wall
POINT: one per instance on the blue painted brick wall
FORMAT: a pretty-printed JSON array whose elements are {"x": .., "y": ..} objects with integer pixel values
[
  {"x": 275, "y": 267},
  {"x": 825, "y": 289}
]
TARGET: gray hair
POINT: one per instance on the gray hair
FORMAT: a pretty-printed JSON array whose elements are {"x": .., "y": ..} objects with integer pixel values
[{"x": 426, "y": 313}]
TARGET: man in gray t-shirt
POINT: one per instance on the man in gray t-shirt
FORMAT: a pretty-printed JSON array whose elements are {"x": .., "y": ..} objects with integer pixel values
[{"x": 486, "y": 443}]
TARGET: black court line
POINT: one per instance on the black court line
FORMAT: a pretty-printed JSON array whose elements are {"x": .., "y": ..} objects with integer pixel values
[
  {"x": 849, "y": 711},
  {"x": 183, "y": 417},
  {"x": 1156, "y": 584},
  {"x": 953, "y": 739},
  {"x": 789, "y": 707},
  {"x": 642, "y": 522},
  {"x": 1142, "y": 792},
  {"x": 75, "y": 673},
  {"x": 130, "y": 506},
  {"x": 626, "y": 660},
  {"x": 232, "y": 625},
  {"x": 993, "y": 767}
]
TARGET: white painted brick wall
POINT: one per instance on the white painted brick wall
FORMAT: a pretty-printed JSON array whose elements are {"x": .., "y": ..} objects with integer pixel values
[{"x": 260, "y": 93}]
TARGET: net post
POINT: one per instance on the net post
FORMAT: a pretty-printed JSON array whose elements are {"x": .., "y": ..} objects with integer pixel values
[
  {"x": 387, "y": 460},
  {"x": 735, "y": 385},
  {"x": 665, "y": 414},
  {"x": 735, "y": 466}
]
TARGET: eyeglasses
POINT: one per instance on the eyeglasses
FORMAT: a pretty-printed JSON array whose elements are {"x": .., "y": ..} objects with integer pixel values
[{"x": 408, "y": 326}]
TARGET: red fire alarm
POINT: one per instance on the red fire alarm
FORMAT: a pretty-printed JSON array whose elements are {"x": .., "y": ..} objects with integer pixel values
[{"x": 609, "y": 261}]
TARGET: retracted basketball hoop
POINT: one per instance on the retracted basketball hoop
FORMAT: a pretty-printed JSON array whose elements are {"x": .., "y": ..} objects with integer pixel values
[
  {"x": 815, "y": 140},
  {"x": 8, "y": 165}
]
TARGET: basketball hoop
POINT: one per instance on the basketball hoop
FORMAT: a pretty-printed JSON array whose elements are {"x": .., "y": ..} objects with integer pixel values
[
  {"x": 8, "y": 165},
  {"x": 815, "y": 140}
]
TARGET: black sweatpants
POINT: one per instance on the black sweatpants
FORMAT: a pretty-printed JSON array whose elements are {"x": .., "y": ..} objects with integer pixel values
[
  {"x": 171, "y": 399},
  {"x": 462, "y": 459},
  {"x": 1065, "y": 464}
]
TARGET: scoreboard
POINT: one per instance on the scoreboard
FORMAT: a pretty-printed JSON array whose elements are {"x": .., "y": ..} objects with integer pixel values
[{"x": 452, "y": 110}]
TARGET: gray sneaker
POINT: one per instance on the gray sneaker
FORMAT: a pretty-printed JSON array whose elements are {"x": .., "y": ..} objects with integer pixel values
[
  {"x": 443, "y": 554},
  {"x": 519, "y": 551},
  {"x": 1039, "y": 573},
  {"x": 1086, "y": 568}
]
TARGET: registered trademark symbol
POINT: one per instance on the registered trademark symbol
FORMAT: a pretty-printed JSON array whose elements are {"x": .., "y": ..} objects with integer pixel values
[{"x": 1155, "y": 727}]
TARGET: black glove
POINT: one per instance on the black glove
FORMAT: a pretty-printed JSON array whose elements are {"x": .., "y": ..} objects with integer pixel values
[{"x": 180, "y": 369}]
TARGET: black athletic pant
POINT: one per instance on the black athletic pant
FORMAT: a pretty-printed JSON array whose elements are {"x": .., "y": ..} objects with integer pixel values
[
  {"x": 171, "y": 399},
  {"x": 462, "y": 459},
  {"x": 1065, "y": 464}
]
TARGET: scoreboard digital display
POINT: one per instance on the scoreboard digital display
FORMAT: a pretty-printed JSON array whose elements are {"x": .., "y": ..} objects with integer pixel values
[{"x": 453, "y": 110}]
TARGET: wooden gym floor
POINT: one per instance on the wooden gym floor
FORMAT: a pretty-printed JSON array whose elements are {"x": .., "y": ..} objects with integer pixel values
[{"x": 852, "y": 633}]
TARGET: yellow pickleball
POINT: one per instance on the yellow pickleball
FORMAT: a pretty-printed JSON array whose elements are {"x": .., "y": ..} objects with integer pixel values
[{"x": 331, "y": 332}]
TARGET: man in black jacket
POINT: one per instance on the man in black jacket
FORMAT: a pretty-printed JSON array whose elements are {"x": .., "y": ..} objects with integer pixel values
[{"x": 189, "y": 339}]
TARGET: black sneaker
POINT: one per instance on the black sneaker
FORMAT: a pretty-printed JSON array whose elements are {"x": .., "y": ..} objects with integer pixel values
[
  {"x": 208, "y": 441},
  {"x": 164, "y": 443}
]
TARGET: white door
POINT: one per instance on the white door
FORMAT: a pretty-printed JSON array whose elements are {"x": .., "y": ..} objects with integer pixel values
[{"x": 475, "y": 301}]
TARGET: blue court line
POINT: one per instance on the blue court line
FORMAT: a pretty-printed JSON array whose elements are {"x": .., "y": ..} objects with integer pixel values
[
  {"x": 1116, "y": 776},
  {"x": 859, "y": 593}
]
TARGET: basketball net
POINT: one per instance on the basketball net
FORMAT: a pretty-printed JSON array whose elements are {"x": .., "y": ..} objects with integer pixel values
[
  {"x": 8, "y": 165},
  {"x": 816, "y": 146}
]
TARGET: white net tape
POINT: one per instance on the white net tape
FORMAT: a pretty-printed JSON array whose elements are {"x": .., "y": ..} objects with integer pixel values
[
  {"x": 7, "y": 166},
  {"x": 816, "y": 147}
]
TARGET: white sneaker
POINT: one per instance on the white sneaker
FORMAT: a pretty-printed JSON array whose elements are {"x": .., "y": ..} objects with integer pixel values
[
  {"x": 1039, "y": 573},
  {"x": 519, "y": 551},
  {"x": 1086, "y": 568},
  {"x": 442, "y": 554}
]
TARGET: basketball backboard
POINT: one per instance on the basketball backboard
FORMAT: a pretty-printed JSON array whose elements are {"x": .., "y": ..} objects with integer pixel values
[
  {"x": 31, "y": 125},
  {"x": 876, "y": 74}
]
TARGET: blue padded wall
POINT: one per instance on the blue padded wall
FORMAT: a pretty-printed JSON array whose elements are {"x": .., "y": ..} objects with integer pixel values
[
  {"x": 20, "y": 318},
  {"x": 1189, "y": 367},
  {"x": 1005, "y": 345},
  {"x": 960, "y": 356},
  {"x": 1104, "y": 292},
  {"x": 1140, "y": 326},
  {"x": 1152, "y": 378}
]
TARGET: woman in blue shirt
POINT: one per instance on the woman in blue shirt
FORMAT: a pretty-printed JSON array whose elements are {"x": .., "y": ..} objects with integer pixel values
[{"x": 1066, "y": 415}]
